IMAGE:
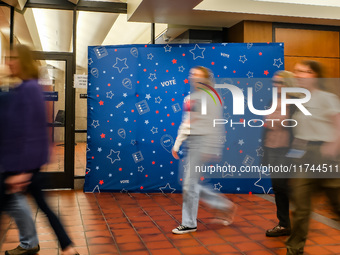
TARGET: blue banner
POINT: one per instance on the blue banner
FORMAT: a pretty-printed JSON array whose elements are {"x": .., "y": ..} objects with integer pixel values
[{"x": 135, "y": 102}]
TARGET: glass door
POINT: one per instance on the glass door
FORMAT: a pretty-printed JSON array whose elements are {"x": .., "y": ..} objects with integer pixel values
[{"x": 57, "y": 83}]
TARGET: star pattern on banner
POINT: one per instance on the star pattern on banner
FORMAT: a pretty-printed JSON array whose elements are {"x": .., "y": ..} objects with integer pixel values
[
  {"x": 95, "y": 123},
  {"x": 264, "y": 187},
  {"x": 113, "y": 156},
  {"x": 158, "y": 100},
  {"x": 154, "y": 130},
  {"x": 218, "y": 186},
  {"x": 260, "y": 152},
  {"x": 152, "y": 76},
  {"x": 278, "y": 62},
  {"x": 197, "y": 52},
  {"x": 124, "y": 124},
  {"x": 167, "y": 48},
  {"x": 109, "y": 94},
  {"x": 181, "y": 69},
  {"x": 166, "y": 188},
  {"x": 243, "y": 59},
  {"x": 120, "y": 64},
  {"x": 150, "y": 56}
]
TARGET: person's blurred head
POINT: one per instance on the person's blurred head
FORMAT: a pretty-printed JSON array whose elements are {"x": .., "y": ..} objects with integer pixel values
[
  {"x": 283, "y": 79},
  {"x": 199, "y": 75},
  {"x": 309, "y": 74},
  {"x": 22, "y": 63}
]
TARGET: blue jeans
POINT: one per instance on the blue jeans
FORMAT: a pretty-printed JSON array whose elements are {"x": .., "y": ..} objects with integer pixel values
[
  {"x": 193, "y": 191},
  {"x": 18, "y": 208}
]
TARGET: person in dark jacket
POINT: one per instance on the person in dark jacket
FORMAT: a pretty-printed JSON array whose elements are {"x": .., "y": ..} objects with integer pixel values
[{"x": 24, "y": 149}]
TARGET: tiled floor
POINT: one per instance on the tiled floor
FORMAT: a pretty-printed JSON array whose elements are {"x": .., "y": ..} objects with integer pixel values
[{"x": 136, "y": 224}]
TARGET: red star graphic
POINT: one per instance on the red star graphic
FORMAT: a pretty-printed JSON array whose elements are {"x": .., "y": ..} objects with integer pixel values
[
  {"x": 102, "y": 135},
  {"x": 101, "y": 182},
  {"x": 241, "y": 120},
  {"x": 174, "y": 61},
  {"x": 186, "y": 81},
  {"x": 101, "y": 102},
  {"x": 266, "y": 72},
  {"x": 260, "y": 53}
]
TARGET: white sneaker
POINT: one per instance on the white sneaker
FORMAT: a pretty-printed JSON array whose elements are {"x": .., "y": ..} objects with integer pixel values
[{"x": 183, "y": 230}]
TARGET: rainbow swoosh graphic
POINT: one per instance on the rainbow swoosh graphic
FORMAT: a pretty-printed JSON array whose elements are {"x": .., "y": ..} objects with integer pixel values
[{"x": 213, "y": 90}]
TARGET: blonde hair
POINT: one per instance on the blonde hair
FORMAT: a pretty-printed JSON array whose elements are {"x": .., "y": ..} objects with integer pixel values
[
  {"x": 288, "y": 81},
  {"x": 27, "y": 62}
]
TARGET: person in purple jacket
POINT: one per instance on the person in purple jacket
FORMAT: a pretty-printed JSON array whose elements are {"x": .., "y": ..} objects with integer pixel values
[{"x": 24, "y": 145}]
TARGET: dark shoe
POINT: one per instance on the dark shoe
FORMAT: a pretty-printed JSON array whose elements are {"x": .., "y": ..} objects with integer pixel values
[
  {"x": 278, "y": 231},
  {"x": 21, "y": 251},
  {"x": 183, "y": 230}
]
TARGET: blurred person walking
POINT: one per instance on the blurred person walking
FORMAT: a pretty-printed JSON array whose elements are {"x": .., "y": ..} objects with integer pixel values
[
  {"x": 15, "y": 204},
  {"x": 317, "y": 139},
  {"x": 27, "y": 141},
  {"x": 277, "y": 141},
  {"x": 203, "y": 146}
]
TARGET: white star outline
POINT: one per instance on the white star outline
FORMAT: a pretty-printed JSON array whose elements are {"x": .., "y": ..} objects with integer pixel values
[
  {"x": 150, "y": 56},
  {"x": 260, "y": 186},
  {"x": 109, "y": 94},
  {"x": 218, "y": 185},
  {"x": 95, "y": 123},
  {"x": 197, "y": 48},
  {"x": 120, "y": 69},
  {"x": 152, "y": 76},
  {"x": 167, "y": 48},
  {"x": 243, "y": 59},
  {"x": 260, "y": 152},
  {"x": 277, "y": 62},
  {"x": 158, "y": 100},
  {"x": 154, "y": 130},
  {"x": 167, "y": 186},
  {"x": 111, "y": 154},
  {"x": 181, "y": 69}
]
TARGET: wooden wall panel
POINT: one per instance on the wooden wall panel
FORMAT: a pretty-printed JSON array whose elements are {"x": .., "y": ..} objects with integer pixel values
[
  {"x": 308, "y": 43},
  {"x": 255, "y": 31}
]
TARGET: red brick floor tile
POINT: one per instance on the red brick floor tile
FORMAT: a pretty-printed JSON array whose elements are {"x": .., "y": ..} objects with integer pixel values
[
  {"x": 194, "y": 250},
  {"x": 159, "y": 245},
  {"x": 172, "y": 251},
  {"x": 222, "y": 248},
  {"x": 237, "y": 239},
  {"x": 153, "y": 237},
  {"x": 145, "y": 252},
  {"x": 333, "y": 248},
  {"x": 261, "y": 252},
  {"x": 248, "y": 246},
  {"x": 186, "y": 243},
  {"x": 100, "y": 240},
  {"x": 317, "y": 250},
  {"x": 211, "y": 240},
  {"x": 282, "y": 251},
  {"x": 48, "y": 252},
  {"x": 324, "y": 240},
  {"x": 131, "y": 246},
  {"x": 127, "y": 239},
  {"x": 101, "y": 249}
]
